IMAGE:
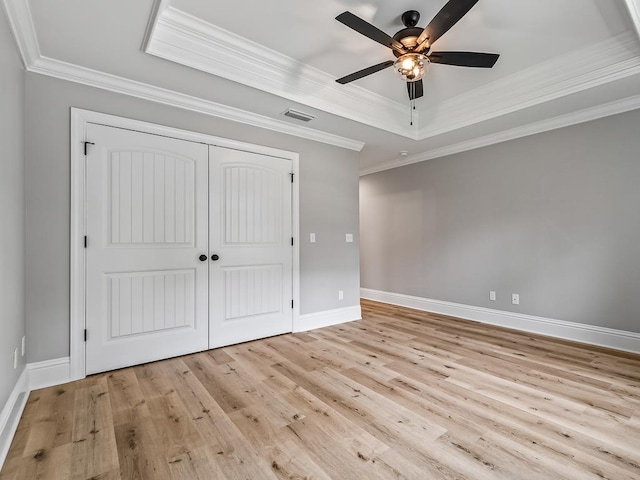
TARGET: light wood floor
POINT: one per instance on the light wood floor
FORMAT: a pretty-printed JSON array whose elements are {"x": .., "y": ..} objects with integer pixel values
[{"x": 400, "y": 395}]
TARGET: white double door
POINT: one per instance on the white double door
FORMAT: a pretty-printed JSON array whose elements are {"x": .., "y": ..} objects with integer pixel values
[{"x": 188, "y": 247}]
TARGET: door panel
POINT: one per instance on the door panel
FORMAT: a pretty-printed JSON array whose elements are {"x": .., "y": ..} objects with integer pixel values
[
  {"x": 252, "y": 290},
  {"x": 147, "y": 291},
  {"x": 250, "y": 230},
  {"x": 150, "y": 301},
  {"x": 150, "y": 198}
]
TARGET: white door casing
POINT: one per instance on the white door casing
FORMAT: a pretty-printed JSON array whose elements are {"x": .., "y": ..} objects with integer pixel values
[
  {"x": 147, "y": 222},
  {"x": 250, "y": 231}
]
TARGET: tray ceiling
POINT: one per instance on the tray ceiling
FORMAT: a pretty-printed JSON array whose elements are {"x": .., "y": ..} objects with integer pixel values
[{"x": 561, "y": 63}]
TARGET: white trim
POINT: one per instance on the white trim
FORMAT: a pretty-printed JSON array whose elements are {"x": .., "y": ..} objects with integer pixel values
[
  {"x": 20, "y": 19},
  {"x": 616, "y": 58},
  {"x": 607, "y": 61},
  {"x": 158, "y": 7},
  {"x": 297, "y": 240},
  {"x": 78, "y": 128},
  {"x": 49, "y": 373},
  {"x": 79, "y": 121},
  {"x": 11, "y": 413},
  {"x": 634, "y": 12},
  {"x": 188, "y": 40},
  {"x": 311, "y": 321},
  {"x": 124, "y": 86},
  {"x": 24, "y": 31},
  {"x": 574, "y": 118},
  {"x": 578, "y": 332}
]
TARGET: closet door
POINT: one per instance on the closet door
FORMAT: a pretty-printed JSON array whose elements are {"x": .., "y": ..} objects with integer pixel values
[
  {"x": 250, "y": 246},
  {"x": 147, "y": 256}
]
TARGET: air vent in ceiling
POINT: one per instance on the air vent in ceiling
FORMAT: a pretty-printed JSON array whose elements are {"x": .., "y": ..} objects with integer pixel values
[{"x": 303, "y": 117}]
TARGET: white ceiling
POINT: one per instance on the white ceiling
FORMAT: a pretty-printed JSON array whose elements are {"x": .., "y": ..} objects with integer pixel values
[{"x": 561, "y": 62}]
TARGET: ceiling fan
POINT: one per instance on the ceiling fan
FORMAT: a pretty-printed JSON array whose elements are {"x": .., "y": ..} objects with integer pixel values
[{"x": 412, "y": 45}]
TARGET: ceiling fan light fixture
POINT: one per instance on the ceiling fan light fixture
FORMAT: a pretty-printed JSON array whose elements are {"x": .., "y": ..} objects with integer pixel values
[{"x": 411, "y": 67}]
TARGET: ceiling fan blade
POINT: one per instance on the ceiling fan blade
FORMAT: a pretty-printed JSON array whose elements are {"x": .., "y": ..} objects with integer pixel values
[
  {"x": 369, "y": 31},
  {"x": 446, "y": 18},
  {"x": 367, "y": 71},
  {"x": 415, "y": 89},
  {"x": 465, "y": 59}
]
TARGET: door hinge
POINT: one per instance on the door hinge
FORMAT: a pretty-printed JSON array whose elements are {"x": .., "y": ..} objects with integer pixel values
[
  {"x": 291, "y": 240},
  {"x": 292, "y": 174},
  {"x": 85, "y": 241},
  {"x": 85, "y": 147},
  {"x": 291, "y": 303},
  {"x": 85, "y": 334}
]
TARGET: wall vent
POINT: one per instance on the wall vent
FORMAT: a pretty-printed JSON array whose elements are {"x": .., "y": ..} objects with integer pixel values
[{"x": 303, "y": 117}]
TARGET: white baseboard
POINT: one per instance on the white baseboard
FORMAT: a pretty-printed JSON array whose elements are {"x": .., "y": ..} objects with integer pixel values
[
  {"x": 311, "y": 321},
  {"x": 49, "y": 373},
  {"x": 11, "y": 413},
  {"x": 578, "y": 332}
]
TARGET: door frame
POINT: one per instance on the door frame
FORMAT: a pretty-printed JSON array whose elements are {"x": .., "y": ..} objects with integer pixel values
[{"x": 80, "y": 119}]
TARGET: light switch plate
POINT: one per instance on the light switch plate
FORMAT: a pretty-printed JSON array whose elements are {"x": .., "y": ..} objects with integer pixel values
[
  {"x": 312, "y": 238},
  {"x": 349, "y": 237}
]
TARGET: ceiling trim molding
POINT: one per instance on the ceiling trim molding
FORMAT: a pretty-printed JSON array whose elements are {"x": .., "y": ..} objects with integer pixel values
[
  {"x": 190, "y": 41},
  {"x": 634, "y": 11},
  {"x": 611, "y": 60},
  {"x": 116, "y": 84},
  {"x": 623, "y": 50},
  {"x": 561, "y": 121},
  {"x": 184, "y": 39},
  {"x": 158, "y": 7},
  {"x": 20, "y": 19}
]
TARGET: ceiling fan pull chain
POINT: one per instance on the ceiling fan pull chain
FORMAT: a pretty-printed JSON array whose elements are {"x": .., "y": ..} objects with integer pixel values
[
  {"x": 411, "y": 111},
  {"x": 412, "y": 100}
]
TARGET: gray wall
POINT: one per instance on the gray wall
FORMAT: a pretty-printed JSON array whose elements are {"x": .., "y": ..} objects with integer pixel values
[
  {"x": 328, "y": 203},
  {"x": 554, "y": 217},
  {"x": 12, "y": 253}
]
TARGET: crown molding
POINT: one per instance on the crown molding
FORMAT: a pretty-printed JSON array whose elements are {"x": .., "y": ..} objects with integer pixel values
[
  {"x": 574, "y": 118},
  {"x": 21, "y": 22},
  {"x": 184, "y": 39},
  {"x": 19, "y": 16},
  {"x": 156, "y": 10},
  {"x": 634, "y": 11},
  {"x": 608, "y": 61},
  {"x": 125, "y": 86},
  {"x": 188, "y": 40}
]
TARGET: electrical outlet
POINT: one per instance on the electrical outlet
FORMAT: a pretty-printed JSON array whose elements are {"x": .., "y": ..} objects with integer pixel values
[
  {"x": 15, "y": 359},
  {"x": 340, "y": 295},
  {"x": 312, "y": 238},
  {"x": 515, "y": 299},
  {"x": 24, "y": 345},
  {"x": 492, "y": 296},
  {"x": 349, "y": 237}
]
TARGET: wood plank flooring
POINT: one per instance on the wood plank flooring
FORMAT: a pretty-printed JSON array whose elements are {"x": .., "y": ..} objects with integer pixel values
[{"x": 400, "y": 395}]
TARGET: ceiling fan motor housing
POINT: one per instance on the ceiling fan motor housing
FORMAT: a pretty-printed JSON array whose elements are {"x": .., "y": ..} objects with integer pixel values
[{"x": 409, "y": 35}]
